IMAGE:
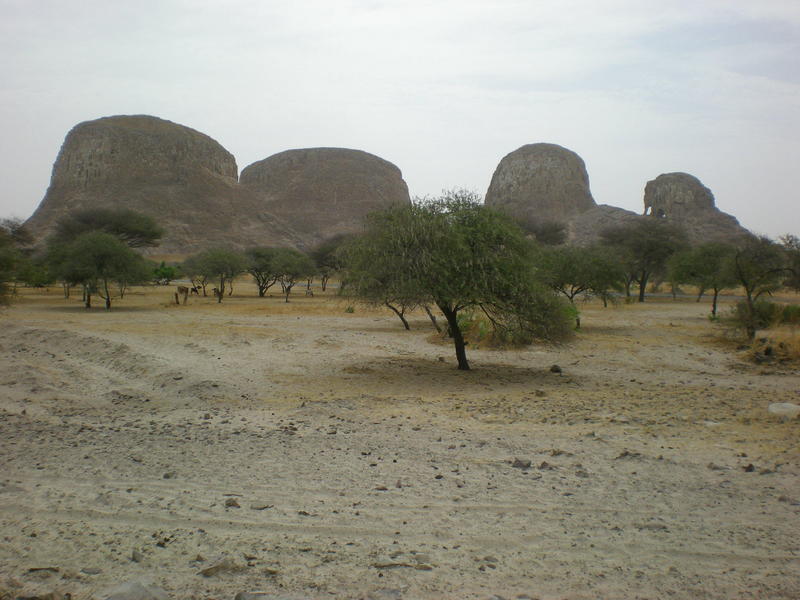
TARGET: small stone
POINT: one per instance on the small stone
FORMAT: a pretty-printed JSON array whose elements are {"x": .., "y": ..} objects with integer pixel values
[
  {"x": 539, "y": 393},
  {"x": 136, "y": 556},
  {"x": 232, "y": 503},
  {"x": 521, "y": 464},
  {"x": 223, "y": 565},
  {"x": 555, "y": 369},
  {"x": 170, "y": 475},
  {"x": 749, "y": 468},
  {"x": 545, "y": 466},
  {"x": 260, "y": 506},
  {"x": 142, "y": 589},
  {"x": 91, "y": 571},
  {"x": 784, "y": 410}
]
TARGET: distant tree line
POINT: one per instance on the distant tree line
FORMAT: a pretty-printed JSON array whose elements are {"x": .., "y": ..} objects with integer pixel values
[{"x": 449, "y": 255}]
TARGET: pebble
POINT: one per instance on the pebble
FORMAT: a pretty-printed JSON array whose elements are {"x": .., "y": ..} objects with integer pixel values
[
  {"x": 137, "y": 556},
  {"x": 223, "y": 565},
  {"x": 140, "y": 589},
  {"x": 785, "y": 410},
  {"x": 521, "y": 464},
  {"x": 555, "y": 369}
]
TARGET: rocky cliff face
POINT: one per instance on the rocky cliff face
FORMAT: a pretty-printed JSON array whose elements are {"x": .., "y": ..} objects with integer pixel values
[
  {"x": 323, "y": 192},
  {"x": 541, "y": 183},
  {"x": 183, "y": 178},
  {"x": 189, "y": 183},
  {"x": 683, "y": 200}
]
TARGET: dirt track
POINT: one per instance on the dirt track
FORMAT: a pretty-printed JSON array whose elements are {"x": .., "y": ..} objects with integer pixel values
[{"x": 333, "y": 455}]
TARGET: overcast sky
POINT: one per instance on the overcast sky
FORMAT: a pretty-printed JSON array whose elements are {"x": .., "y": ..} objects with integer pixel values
[{"x": 443, "y": 89}]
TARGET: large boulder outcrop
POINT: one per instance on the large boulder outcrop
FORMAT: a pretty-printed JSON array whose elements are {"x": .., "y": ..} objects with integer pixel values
[
  {"x": 684, "y": 201},
  {"x": 541, "y": 183},
  {"x": 181, "y": 177},
  {"x": 324, "y": 192}
]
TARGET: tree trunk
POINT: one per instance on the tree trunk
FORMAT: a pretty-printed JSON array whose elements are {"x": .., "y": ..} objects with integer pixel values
[
  {"x": 87, "y": 299},
  {"x": 700, "y": 294},
  {"x": 750, "y": 326},
  {"x": 642, "y": 287},
  {"x": 324, "y": 282},
  {"x": 220, "y": 290},
  {"x": 230, "y": 288},
  {"x": 399, "y": 314},
  {"x": 458, "y": 338},
  {"x": 288, "y": 290},
  {"x": 714, "y": 303},
  {"x": 432, "y": 317}
]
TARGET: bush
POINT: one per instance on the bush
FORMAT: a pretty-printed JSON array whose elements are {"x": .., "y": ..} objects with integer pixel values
[
  {"x": 791, "y": 314},
  {"x": 764, "y": 315}
]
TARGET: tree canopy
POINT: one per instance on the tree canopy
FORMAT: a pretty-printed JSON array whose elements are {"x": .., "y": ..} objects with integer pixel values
[
  {"x": 457, "y": 254},
  {"x": 97, "y": 260},
  {"x": 704, "y": 266},
  {"x": 643, "y": 247},
  {"x": 134, "y": 229},
  {"x": 218, "y": 264}
]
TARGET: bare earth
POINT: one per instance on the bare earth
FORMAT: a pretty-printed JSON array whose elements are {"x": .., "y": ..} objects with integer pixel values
[{"x": 312, "y": 453}]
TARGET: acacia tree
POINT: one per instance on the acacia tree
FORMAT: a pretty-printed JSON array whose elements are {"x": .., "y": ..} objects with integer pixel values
[
  {"x": 328, "y": 257},
  {"x": 572, "y": 271},
  {"x": 100, "y": 261},
  {"x": 759, "y": 266},
  {"x": 791, "y": 247},
  {"x": 134, "y": 229},
  {"x": 644, "y": 246},
  {"x": 292, "y": 266},
  {"x": 704, "y": 266},
  {"x": 261, "y": 265},
  {"x": 457, "y": 254},
  {"x": 218, "y": 264}
]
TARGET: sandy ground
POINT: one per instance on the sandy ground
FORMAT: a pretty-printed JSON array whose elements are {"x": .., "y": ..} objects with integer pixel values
[{"x": 311, "y": 453}]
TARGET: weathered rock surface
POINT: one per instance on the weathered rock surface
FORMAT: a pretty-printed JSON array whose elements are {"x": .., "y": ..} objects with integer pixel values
[
  {"x": 189, "y": 183},
  {"x": 683, "y": 200},
  {"x": 541, "y": 183},
  {"x": 183, "y": 178},
  {"x": 585, "y": 229},
  {"x": 324, "y": 192}
]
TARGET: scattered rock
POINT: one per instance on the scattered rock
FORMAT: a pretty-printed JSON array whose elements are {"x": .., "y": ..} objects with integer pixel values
[
  {"x": 545, "y": 466},
  {"x": 91, "y": 571},
  {"x": 749, "y": 468},
  {"x": 784, "y": 410},
  {"x": 141, "y": 589},
  {"x": 223, "y": 565},
  {"x": 170, "y": 475},
  {"x": 260, "y": 506},
  {"x": 232, "y": 503},
  {"x": 555, "y": 369},
  {"x": 137, "y": 556},
  {"x": 715, "y": 467},
  {"x": 521, "y": 464}
]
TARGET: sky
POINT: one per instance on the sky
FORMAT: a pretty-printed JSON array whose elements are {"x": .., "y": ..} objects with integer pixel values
[{"x": 441, "y": 88}]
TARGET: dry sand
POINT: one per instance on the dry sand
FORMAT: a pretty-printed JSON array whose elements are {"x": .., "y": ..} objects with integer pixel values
[{"x": 321, "y": 454}]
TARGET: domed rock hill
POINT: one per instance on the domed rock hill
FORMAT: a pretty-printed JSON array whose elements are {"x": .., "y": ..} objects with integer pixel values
[
  {"x": 323, "y": 192},
  {"x": 541, "y": 183},
  {"x": 189, "y": 183},
  {"x": 683, "y": 200}
]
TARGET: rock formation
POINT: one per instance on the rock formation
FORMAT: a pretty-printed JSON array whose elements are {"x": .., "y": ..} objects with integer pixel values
[
  {"x": 545, "y": 183},
  {"x": 189, "y": 183},
  {"x": 683, "y": 200},
  {"x": 323, "y": 192},
  {"x": 541, "y": 183}
]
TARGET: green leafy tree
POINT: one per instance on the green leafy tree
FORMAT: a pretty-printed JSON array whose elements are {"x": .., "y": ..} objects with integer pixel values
[
  {"x": 293, "y": 266},
  {"x": 134, "y": 229},
  {"x": 704, "y": 266},
  {"x": 643, "y": 247},
  {"x": 163, "y": 274},
  {"x": 759, "y": 266},
  {"x": 459, "y": 255},
  {"x": 102, "y": 263},
  {"x": 791, "y": 247},
  {"x": 261, "y": 265},
  {"x": 328, "y": 257},
  {"x": 573, "y": 271},
  {"x": 9, "y": 258},
  {"x": 215, "y": 264}
]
